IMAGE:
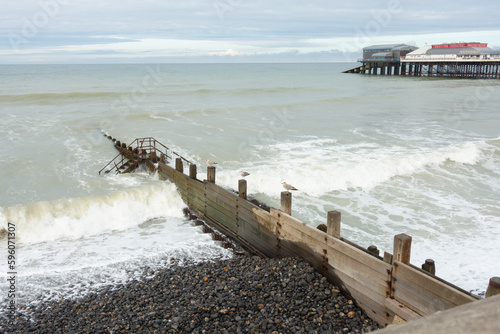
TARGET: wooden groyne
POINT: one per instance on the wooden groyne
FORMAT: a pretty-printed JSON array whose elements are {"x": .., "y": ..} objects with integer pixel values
[{"x": 388, "y": 288}]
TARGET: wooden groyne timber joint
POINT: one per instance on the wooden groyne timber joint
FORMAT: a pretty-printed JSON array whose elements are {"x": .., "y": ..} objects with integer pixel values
[{"x": 388, "y": 288}]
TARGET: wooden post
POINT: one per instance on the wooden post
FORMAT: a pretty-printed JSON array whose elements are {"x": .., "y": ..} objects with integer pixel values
[
  {"x": 333, "y": 223},
  {"x": 152, "y": 156},
  {"x": 387, "y": 258},
  {"x": 429, "y": 266},
  {"x": 242, "y": 188},
  {"x": 373, "y": 250},
  {"x": 493, "y": 287},
  {"x": 192, "y": 171},
  {"x": 286, "y": 202},
  {"x": 211, "y": 174},
  {"x": 402, "y": 248},
  {"x": 178, "y": 165}
]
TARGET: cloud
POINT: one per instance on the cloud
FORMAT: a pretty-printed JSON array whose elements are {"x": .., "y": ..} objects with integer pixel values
[
  {"x": 107, "y": 30},
  {"x": 228, "y": 52}
]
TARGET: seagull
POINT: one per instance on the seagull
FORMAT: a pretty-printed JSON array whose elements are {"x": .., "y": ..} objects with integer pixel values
[
  {"x": 288, "y": 186},
  {"x": 211, "y": 163},
  {"x": 243, "y": 174}
]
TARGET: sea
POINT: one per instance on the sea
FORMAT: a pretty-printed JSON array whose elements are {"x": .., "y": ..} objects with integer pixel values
[{"x": 393, "y": 154}]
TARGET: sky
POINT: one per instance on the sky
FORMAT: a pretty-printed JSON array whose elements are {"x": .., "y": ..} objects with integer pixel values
[{"x": 185, "y": 31}]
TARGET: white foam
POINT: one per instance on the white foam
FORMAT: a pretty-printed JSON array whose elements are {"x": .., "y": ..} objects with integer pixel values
[
  {"x": 318, "y": 167},
  {"x": 78, "y": 217}
]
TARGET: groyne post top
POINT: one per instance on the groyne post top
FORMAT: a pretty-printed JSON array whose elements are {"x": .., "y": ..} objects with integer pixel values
[
  {"x": 493, "y": 287},
  {"x": 192, "y": 171},
  {"x": 402, "y": 248},
  {"x": 286, "y": 202},
  {"x": 211, "y": 174},
  {"x": 178, "y": 165},
  {"x": 242, "y": 188},
  {"x": 333, "y": 223},
  {"x": 429, "y": 266}
]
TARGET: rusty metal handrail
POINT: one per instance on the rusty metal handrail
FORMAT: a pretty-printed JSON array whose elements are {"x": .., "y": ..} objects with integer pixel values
[{"x": 146, "y": 145}]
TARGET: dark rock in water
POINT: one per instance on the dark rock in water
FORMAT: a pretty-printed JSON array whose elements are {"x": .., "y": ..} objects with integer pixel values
[{"x": 246, "y": 294}]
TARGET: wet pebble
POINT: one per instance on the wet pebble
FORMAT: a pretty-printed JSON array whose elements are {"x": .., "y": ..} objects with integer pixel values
[{"x": 246, "y": 294}]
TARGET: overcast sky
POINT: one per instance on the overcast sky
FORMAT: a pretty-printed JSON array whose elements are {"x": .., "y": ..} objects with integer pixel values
[{"x": 130, "y": 31}]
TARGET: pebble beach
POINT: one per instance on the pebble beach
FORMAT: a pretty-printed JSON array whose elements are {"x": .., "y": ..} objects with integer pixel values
[{"x": 245, "y": 294}]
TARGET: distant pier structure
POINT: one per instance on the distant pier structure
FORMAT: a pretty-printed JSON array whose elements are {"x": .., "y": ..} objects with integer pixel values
[{"x": 461, "y": 60}]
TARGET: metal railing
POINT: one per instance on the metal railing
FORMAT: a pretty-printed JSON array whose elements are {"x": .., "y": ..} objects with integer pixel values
[{"x": 140, "y": 151}]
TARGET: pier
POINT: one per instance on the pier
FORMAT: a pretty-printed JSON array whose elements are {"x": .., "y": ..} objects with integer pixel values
[
  {"x": 456, "y": 60},
  {"x": 386, "y": 286}
]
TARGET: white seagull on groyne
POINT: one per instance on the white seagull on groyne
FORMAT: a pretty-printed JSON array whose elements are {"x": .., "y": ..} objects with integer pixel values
[
  {"x": 289, "y": 186},
  {"x": 211, "y": 163}
]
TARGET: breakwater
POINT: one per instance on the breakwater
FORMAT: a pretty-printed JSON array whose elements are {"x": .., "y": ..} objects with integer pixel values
[{"x": 386, "y": 286}]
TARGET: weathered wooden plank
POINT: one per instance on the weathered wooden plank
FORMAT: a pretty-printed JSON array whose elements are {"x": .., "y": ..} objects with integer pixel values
[
  {"x": 376, "y": 312},
  {"x": 373, "y": 308},
  {"x": 370, "y": 301},
  {"x": 196, "y": 184},
  {"x": 422, "y": 303},
  {"x": 259, "y": 217},
  {"x": 258, "y": 230},
  {"x": 181, "y": 184},
  {"x": 341, "y": 246},
  {"x": 194, "y": 202},
  {"x": 227, "y": 204},
  {"x": 345, "y": 255},
  {"x": 219, "y": 216},
  {"x": 221, "y": 206},
  {"x": 417, "y": 304},
  {"x": 245, "y": 204},
  {"x": 195, "y": 194},
  {"x": 401, "y": 310},
  {"x": 167, "y": 170},
  {"x": 216, "y": 190},
  {"x": 338, "y": 258},
  {"x": 259, "y": 238},
  {"x": 425, "y": 285}
]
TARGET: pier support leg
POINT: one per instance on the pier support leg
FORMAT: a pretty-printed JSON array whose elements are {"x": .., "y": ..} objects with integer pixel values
[
  {"x": 242, "y": 188},
  {"x": 192, "y": 171},
  {"x": 402, "y": 248},
  {"x": 286, "y": 202},
  {"x": 333, "y": 223},
  {"x": 178, "y": 165},
  {"x": 211, "y": 174}
]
